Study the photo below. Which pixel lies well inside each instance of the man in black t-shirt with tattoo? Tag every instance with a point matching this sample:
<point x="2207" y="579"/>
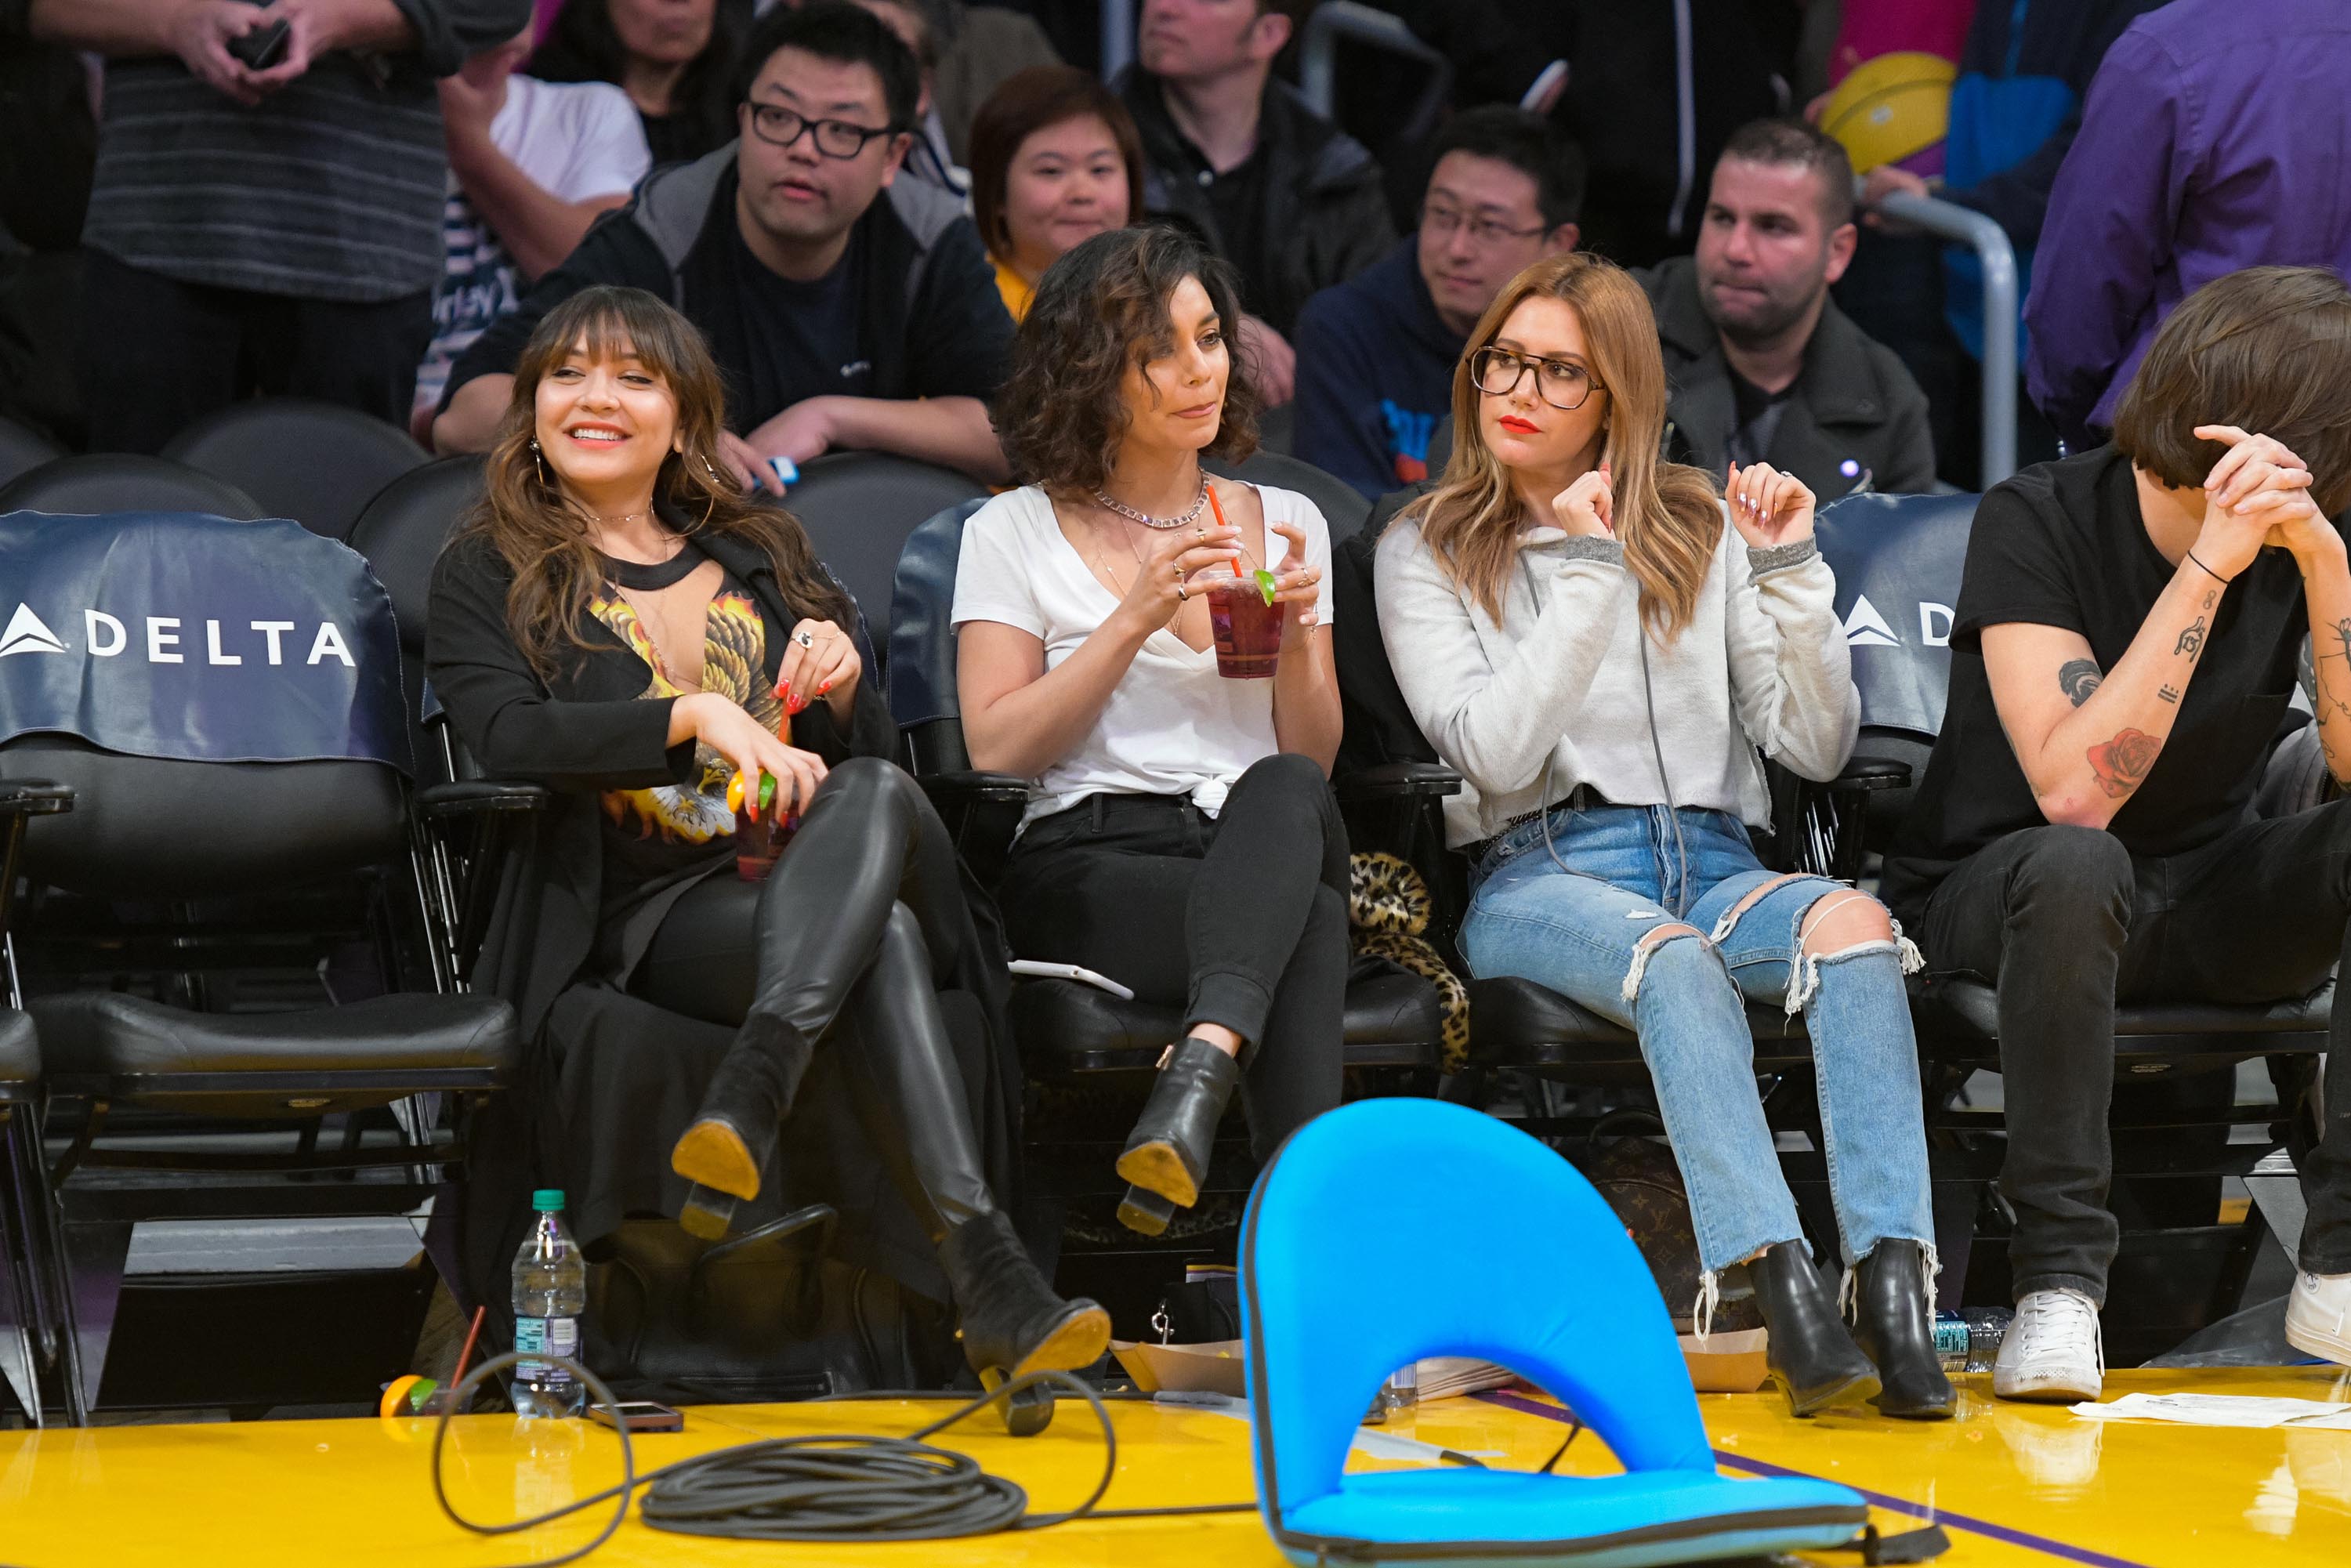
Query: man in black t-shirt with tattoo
<point x="2123" y="653"/>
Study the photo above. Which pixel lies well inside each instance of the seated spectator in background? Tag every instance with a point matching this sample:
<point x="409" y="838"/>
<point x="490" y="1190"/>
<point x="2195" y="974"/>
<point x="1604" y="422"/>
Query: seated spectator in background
<point x="1376" y="355"/>
<point x="2123" y="653"/>
<point x="2214" y="138"/>
<point x="675" y="58"/>
<point x="534" y="163"/>
<point x="618" y="623"/>
<point x="1054" y="161"/>
<point x="1601" y="645"/>
<point x="251" y="268"/>
<point x="1291" y="200"/>
<point x="981" y="47"/>
<point x="1181" y="836"/>
<point x="847" y="308"/>
<point x="1764" y="367"/>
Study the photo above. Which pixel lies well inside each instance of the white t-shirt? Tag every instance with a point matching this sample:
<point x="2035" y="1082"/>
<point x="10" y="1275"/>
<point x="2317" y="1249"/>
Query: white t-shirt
<point x="1173" y="725"/>
<point x="576" y="140"/>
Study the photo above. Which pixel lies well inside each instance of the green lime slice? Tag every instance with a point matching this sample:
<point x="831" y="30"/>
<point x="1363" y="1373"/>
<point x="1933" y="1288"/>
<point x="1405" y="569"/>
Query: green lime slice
<point x="766" y="791"/>
<point x="1265" y="583"/>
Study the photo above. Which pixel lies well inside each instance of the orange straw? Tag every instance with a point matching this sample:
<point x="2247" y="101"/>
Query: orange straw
<point x="1219" y="507"/>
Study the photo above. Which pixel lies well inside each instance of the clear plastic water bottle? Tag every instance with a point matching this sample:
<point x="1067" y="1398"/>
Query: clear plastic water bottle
<point x="550" y="1291"/>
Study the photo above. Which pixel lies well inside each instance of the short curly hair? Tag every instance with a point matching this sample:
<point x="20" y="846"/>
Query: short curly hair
<point x="1101" y="307"/>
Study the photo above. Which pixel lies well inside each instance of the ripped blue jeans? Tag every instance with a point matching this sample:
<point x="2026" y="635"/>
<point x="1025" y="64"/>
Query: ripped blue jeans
<point x="1575" y="924"/>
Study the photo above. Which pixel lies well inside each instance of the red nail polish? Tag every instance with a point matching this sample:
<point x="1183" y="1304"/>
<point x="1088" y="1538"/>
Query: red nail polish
<point x="824" y="688"/>
<point x="798" y="704"/>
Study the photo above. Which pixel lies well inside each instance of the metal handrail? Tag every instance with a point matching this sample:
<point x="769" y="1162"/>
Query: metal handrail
<point x="1318" y="49"/>
<point x="1998" y="257"/>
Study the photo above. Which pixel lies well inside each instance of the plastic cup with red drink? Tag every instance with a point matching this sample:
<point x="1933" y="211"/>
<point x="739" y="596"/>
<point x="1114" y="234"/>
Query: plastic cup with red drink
<point x="1246" y="623"/>
<point x="758" y="841"/>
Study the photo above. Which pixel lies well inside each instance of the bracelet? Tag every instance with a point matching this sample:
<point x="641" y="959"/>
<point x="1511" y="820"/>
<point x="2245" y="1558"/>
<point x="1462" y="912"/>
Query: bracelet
<point x="2208" y="571"/>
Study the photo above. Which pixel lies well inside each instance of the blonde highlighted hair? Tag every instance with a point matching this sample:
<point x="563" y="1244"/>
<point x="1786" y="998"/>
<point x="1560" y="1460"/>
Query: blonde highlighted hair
<point x="1669" y="514"/>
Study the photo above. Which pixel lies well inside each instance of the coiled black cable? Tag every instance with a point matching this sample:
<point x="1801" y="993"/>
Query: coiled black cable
<point x="834" y="1486"/>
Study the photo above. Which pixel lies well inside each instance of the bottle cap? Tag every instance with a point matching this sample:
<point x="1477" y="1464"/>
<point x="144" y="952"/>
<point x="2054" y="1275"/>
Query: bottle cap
<point x="546" y="1201"/>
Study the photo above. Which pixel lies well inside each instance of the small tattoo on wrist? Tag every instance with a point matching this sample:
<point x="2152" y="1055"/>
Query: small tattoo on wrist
<point x="2169" y="694"/>
<point x="2191" y="642"/>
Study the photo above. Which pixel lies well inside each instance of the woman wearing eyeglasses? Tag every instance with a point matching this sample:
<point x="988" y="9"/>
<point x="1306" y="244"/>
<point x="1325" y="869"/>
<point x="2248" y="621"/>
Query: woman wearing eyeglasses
<point x="1600" y="643"/>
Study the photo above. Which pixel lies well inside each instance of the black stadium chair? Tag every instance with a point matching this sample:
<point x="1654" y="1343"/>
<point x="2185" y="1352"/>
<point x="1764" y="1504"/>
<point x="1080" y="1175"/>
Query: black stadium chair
<point x="859" y="508"/>
<point x="1898" y="561"/>
<point x="101" y="482"/>
<point x="22" y="449"/>
<point x="1071" y="1034"/>
<point x="1343" y="505"/>
<point x="192" y="981"/>
<point x="316" y="463"/>
<point x="28" y="1337"/>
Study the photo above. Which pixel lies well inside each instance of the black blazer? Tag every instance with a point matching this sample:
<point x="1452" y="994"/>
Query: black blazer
<point x="589" y="730"/>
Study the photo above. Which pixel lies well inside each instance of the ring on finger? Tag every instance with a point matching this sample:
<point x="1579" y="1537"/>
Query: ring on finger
<point x="805" y="639"/>
<point x="1181" y="595"/>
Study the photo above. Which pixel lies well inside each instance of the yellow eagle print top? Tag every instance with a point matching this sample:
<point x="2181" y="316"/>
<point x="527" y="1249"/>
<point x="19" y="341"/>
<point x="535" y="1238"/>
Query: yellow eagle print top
<point x="657" y="824"/>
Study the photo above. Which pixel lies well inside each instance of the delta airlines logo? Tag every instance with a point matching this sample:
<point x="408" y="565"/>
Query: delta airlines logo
<point x="28" y="634"/>
<point x="162" y="640"/>
<point x="1865" y="628"/>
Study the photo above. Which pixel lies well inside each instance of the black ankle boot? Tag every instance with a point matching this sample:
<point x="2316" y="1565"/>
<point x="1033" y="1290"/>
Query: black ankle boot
<point x="1810" y="1355"/>
<point x="1012" y="1322"/>
<point x="733" y="1136"/>
<point x="1168" y="1153"/>
<point x="1893" y="1331"/>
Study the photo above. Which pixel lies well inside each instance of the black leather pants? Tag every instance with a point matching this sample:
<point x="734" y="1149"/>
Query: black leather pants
<point x="847" y="943"/>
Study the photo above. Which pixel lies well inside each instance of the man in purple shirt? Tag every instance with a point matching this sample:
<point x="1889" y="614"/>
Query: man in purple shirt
<point x="2216" y="136"/>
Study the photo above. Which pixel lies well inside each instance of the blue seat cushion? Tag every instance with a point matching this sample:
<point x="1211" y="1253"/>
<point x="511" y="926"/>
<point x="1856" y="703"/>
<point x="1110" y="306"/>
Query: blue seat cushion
<point x="1591" y="1522"/>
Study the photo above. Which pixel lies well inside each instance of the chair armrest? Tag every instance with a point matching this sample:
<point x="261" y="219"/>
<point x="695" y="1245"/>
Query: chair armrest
<point x="972" y="788"/>
<point x="1864" y="774"/>
<point x="1399" y="780"/>
<point x="478" y="797"/>
<point x="34" y="797"/>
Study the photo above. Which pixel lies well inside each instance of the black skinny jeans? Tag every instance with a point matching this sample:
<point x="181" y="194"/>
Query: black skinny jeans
<point x="2066" y="921"/>
<point x="1241" y="919"/>
<point x="847" y="943"/>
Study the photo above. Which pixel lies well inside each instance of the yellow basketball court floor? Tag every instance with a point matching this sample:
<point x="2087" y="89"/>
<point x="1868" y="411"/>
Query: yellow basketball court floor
<point x="2011" y="1484"/>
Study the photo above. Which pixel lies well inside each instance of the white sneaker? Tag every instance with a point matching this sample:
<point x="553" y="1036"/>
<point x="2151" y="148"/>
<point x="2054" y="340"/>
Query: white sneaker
<point x="2318" y="1316"/>
<point x="2052" y="1350"/>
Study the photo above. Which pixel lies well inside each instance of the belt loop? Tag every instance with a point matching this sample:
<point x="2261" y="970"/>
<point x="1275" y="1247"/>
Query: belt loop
<point x="1097" y="804"/>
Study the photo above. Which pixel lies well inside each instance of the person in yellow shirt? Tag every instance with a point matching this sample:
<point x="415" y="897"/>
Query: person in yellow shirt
<point x="1055" y="159"/>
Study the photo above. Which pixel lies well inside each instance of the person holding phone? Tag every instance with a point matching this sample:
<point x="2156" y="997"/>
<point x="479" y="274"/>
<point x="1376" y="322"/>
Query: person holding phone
<point x="1600" y="643"/>
<point x="253" y="269"/>
<point x="618" y="621"/>
<point x="1181" y="836"/>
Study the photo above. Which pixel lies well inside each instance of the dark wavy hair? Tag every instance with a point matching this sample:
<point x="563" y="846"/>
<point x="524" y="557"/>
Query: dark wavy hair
<point x="1101" y="308"/>
<point x="542" y="534"/>
<point x="583" y="45"/>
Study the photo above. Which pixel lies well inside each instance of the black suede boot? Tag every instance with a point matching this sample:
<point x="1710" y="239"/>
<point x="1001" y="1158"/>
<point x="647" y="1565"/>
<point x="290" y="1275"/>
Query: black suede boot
<point x="1811" y="1355"/>
<point x="733" y="1135"/>
<point x="1168" y="1153"/>
<point x="1012" y="1323"/>
<point x="1894" y="1330"/>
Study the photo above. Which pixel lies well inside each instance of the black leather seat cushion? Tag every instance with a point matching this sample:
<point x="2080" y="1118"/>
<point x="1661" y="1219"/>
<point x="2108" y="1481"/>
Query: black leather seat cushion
<point x="20" y="1056"/>
<point x="1064" y="1028"/>
<point x="1517" y="1023"/>
<point x="1961" y="1020"/>
<point x="103" y="1033"/>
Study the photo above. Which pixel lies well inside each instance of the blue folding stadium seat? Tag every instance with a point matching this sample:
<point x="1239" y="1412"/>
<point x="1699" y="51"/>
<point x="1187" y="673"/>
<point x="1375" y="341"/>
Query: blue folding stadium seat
<point x="1393" y="1229"/>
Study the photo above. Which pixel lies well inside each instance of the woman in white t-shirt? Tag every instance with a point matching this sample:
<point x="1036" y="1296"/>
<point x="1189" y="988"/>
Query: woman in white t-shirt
<point x="1181" y="836"/>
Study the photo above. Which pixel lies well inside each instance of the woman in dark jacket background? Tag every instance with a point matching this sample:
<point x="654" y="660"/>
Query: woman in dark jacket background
<point x="617" y="622"/>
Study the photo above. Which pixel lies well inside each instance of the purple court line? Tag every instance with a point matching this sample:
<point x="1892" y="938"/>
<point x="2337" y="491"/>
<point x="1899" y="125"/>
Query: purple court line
<point x="1984" y="1527"/>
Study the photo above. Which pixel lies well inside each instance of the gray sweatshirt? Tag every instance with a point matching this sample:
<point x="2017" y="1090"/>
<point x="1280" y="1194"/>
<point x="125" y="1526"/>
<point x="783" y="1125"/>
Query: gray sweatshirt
<point x="1763" y="663"/>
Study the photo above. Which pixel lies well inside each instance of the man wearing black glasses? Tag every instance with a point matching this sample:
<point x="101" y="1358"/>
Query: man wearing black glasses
<point x="842" y="321"/>
<point x="1764" y="367"/>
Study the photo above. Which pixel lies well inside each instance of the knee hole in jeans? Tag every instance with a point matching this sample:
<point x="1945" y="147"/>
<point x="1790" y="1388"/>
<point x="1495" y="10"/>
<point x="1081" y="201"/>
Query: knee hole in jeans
<point x="1651" y="940"/>
<point x="1847" y="918"/>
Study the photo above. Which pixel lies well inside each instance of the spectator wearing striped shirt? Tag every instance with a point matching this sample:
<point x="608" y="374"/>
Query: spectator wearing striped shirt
<point x="271" y="231"/>
<point x="531" y="165"/>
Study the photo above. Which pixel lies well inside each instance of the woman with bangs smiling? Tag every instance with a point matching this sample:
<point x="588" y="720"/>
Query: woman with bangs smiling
<point x="619" y="622"/>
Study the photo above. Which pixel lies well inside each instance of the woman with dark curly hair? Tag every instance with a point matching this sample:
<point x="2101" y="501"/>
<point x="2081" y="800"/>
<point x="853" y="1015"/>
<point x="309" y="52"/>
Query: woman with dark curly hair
<point x="1180" y="836"/>
<point x="619" y="622"/>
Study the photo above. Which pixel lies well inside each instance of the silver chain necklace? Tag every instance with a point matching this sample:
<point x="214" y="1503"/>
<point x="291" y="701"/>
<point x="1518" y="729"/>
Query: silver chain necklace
<point x="1111" y="503"/>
